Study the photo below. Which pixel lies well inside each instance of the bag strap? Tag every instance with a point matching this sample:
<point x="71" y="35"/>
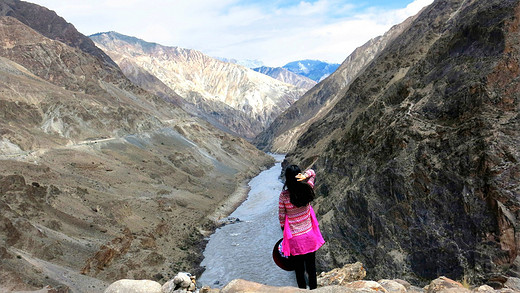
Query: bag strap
<point x="313" y="218"/>
<point x="286" y="249"/>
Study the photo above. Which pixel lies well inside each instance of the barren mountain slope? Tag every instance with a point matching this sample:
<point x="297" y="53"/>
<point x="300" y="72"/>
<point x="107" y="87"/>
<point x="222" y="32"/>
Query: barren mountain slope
<point x="243" y="100"/>
<point x="418" y="168"/>
<point x="99" y="177"/>
<point x="282" y="135"/>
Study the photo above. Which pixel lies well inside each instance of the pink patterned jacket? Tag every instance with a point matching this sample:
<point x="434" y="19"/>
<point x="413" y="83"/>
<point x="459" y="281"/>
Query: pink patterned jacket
<point x="299" y="217"/>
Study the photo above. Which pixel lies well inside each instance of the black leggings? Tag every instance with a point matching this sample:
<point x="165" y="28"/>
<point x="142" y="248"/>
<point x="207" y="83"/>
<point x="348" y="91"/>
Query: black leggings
<point x="305" y="263"/>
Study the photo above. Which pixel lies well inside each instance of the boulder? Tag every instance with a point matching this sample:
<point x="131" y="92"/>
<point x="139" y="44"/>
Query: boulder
<point x="340" y="276"/>
<point x="208" y="289"/>
<point x="134" y="286"/>
<point x="239" y="286"/>
<point x="406" y="284"/>
<point x="168" y="286"/>
<point x="443" y="284"/>
<point x="484" y="288"/>
<point x="183" y="281"/>
<point x="392" y="286"/>
<point x="365" y="286"/>
<point x="513" y="283"/>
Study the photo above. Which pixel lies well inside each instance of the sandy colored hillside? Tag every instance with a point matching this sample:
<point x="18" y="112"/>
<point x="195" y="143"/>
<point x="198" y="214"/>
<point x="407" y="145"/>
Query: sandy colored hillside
<point x="100" y="180"/>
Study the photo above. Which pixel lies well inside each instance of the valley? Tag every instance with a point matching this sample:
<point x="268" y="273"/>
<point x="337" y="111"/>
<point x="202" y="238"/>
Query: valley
<point x="120" y="157"/>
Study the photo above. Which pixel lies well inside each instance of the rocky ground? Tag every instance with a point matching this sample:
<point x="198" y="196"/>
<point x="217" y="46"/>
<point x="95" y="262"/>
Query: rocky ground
<point x="348" y="279"/>
<point x="85" y="215"/>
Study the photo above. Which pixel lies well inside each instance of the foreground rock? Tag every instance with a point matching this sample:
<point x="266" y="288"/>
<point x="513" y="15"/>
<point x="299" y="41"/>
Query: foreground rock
<point x="134" y="286"/>
<point x="181" y="282"/>
<point x="440" y="285"/>
<point x="341" y="276"/>
<point x="345" y="279"/>
<point x="242" y="286"/>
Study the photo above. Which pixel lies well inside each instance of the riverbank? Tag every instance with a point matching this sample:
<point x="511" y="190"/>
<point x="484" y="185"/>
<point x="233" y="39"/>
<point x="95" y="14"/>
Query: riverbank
<point x="211" y="224"/>
<point x="230" y="204"/>
<point x="216" y="219"/>
<point x="243" y="248"/>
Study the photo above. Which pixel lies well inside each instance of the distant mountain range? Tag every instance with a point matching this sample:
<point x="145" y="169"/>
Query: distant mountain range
<point x="313" y="69"/>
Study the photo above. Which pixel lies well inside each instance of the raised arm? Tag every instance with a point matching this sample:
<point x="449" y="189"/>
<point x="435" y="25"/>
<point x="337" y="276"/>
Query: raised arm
<point x="311" y="176"/>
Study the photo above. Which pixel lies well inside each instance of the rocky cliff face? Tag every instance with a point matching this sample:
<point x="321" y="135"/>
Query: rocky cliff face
<point x="97" y="176"/>
<point x="418" y="168"/>
<point x="242" y="100"/>
<point x="282" y="135"/>
<point x="287" y="76"/>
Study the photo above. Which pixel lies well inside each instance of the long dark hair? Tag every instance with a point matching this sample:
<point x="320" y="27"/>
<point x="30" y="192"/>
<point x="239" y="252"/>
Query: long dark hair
<point x="300" y="192"/>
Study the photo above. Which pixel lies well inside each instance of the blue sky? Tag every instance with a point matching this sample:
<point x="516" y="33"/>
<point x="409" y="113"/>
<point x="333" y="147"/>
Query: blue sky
<point x="275" y="32"/>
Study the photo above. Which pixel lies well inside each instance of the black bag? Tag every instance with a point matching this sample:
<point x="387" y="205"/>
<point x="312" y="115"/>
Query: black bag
<point x="282" y="262"/>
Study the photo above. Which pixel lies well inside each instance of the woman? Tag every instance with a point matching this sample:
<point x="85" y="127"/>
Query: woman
<point x="302" y="236"/>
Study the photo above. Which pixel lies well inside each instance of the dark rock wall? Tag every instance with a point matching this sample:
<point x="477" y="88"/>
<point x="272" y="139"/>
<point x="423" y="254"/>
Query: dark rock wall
<point x="418" y="171"/>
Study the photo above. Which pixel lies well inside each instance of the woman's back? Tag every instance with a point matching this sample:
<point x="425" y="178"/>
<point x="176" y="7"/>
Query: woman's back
<point x="299" y="218"/>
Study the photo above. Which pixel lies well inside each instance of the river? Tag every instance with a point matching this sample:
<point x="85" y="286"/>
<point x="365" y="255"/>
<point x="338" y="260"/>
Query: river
<point x="243" y="250"/>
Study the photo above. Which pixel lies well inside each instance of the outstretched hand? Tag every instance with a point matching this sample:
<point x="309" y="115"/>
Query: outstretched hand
<point x="301" y="177"/>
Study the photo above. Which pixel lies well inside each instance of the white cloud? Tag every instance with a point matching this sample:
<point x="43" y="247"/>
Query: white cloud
<point x="325" y="29"/>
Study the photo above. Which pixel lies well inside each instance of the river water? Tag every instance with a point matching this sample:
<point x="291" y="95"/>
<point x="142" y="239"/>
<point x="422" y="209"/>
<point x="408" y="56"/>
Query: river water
<point x="243" y="250"/>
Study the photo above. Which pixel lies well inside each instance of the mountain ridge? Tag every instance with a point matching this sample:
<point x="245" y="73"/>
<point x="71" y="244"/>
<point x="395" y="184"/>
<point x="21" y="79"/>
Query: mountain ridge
<point x="239" y="98"/>
<point x="52" y="26"/>
<point x="283" y="134"/>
